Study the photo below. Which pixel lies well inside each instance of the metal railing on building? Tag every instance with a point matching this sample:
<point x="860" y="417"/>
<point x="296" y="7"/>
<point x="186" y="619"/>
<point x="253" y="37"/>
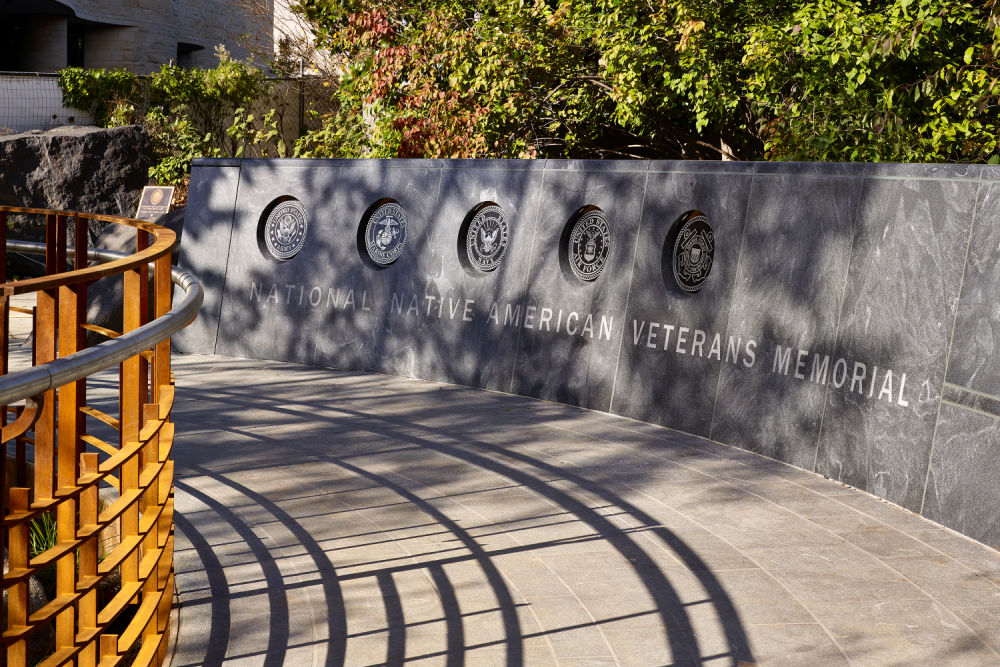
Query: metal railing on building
<point x="109" y="604"/>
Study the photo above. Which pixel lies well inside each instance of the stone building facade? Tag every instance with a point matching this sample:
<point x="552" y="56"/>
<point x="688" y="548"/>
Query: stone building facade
<point x="140" y="35"/>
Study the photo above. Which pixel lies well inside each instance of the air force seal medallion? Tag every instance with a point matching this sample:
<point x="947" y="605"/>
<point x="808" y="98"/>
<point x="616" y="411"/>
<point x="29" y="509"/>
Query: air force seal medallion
<point x="694" y="251"/>
<point x="284" y="231"/>
<point x="486" y="237"/>
<point x="385" y="233"/>
<point x="589" y="243"/>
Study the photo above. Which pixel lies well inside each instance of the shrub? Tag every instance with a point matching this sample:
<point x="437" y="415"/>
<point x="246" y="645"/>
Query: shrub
<point x="188" y="112"/>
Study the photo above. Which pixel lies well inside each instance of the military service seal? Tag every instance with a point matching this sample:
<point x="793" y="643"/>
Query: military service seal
<point x="284" y="231"/>
<point x="694" y="251"/>
<point x="589" y="243"/>
<point x="385" y="233"/>
<point x="486" y="237"/>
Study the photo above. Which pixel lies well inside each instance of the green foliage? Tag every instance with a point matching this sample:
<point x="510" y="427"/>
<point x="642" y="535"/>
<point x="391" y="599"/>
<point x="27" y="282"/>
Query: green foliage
<point x="784" y="79"/>
<point x="188" y="112"/>
<point x="897" y="80"/>
<point x="96" y="91"/>
<point x="263" y="134"/>
<point x="208" y="97"/>
<point x="593" y="78"/>
<point x="177" y="141"/>
<point x="41" y="534"/>
<point x="873" y="80"/>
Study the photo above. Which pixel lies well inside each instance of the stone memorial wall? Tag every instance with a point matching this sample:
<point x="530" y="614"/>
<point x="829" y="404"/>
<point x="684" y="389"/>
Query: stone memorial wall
<point x="841" y="318"/>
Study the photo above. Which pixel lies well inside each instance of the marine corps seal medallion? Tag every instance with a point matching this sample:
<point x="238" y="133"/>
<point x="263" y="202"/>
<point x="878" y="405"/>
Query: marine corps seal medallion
<point x="385" y="233"/>
<point x="284" y="231"/>
<point x="589" y="243"/>
<point x="486" y="237"/>
<point x="694" y="251"/>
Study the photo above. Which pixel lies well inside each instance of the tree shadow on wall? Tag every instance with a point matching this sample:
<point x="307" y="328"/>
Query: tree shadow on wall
<point x="782" y="269"/>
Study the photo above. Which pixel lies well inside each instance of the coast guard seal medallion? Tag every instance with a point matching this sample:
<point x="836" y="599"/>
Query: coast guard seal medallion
<point x="589" y="243"/>
<point x="385" y="233"/>
<point x="284" y="231"/>
<point x="694" y="251"/>
<point x="486" y="237"/>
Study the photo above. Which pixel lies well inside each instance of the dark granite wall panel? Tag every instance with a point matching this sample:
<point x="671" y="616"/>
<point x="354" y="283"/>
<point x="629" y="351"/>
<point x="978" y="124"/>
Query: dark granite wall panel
<point x="572" y="358"/>
<point x="370" y="334"/>
<point x="658" y="380"/>
<point x="971" y="399"/>
<point x="963" y="487"/>
<point x="826" y="278"/>
<point x="208" y="226"/>
<point x="462" y="333"/>
<point x="267" y="311"/>
<point x="789" y="287"/>
<point x="975" y="352"/>
<point x="898" y="315"/>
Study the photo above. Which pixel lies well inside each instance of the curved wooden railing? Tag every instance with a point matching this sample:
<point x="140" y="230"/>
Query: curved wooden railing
<point x="87" y="499"/>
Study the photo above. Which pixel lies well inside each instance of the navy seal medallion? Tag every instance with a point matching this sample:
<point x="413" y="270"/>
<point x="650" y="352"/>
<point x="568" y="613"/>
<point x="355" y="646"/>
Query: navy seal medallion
<point x="694" y="252"/>
<point x="486" y="237"/>
<point x="589" y="243"/>
<point x="284" y="231"/>
<point x="385" y="233"/>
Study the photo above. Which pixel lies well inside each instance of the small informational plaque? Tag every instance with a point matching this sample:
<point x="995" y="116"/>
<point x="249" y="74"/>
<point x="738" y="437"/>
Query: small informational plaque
<point x="155" y="201"/>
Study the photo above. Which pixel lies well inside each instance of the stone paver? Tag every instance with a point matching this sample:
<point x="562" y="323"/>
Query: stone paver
<point x="328" y="517"/>
<point x="19" y="332"/>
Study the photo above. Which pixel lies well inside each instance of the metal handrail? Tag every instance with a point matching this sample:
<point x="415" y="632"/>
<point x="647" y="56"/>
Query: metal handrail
<point x="33" y="381"/>
<point x="165" y="239"/>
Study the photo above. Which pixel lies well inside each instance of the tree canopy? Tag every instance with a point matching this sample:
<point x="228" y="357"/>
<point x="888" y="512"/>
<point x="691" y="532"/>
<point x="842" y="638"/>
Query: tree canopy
<point x="901" y="80"/>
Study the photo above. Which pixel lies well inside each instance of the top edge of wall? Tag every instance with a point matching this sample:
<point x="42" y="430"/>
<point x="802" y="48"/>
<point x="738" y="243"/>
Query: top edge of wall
<point x="826" y="169"/>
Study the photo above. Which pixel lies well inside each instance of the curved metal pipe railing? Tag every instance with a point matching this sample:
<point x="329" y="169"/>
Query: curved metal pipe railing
<point x="37" y="379"/>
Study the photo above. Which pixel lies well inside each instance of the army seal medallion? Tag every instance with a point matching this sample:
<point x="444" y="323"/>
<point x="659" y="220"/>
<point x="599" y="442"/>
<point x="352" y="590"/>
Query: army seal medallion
<point x="486" y="238"/>
<point x="284" y="232"/>
<point x="385" y="233"/>
<point x="694" y="251"/>
<point x="589" y="243"/>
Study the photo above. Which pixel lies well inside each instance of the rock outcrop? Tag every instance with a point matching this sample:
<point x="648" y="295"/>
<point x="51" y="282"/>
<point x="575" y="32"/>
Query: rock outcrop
<point x="89" y="169"/>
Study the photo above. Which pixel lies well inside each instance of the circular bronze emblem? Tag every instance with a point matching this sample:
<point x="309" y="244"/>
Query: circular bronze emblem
<point x="285" y="230"/>
<point x="156" y="197"/>
<point x="589" y="243"/>
<point x="385" y="233"/>
<point x="486" y="238"/>
<point x="694" y="251"/>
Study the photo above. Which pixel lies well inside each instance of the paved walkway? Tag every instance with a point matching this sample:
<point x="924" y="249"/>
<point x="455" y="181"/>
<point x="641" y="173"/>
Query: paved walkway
<point x="19" y="332"/>
<point x="329" y="518"/>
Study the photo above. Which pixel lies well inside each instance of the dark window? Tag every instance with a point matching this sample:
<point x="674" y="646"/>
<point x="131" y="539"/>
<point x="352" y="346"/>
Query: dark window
<point x="10" y="60"/>
<point x="184" y="51"/>
<point x="75" y="35"/>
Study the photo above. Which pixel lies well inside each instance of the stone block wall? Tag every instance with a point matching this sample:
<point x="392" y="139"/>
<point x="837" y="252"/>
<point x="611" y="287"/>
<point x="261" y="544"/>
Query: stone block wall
<point x="142" y="35"/>
<point x="849" y="325"/>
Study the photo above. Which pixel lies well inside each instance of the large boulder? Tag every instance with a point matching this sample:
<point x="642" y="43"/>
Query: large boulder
<point x="89" y="169"/>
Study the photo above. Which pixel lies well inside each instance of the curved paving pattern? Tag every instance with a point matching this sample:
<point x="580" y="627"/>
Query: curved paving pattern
<point x="332" y="518"/>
